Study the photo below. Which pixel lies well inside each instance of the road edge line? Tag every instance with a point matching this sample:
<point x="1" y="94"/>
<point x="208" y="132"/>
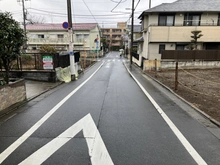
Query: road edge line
<point x="176" y="131"/>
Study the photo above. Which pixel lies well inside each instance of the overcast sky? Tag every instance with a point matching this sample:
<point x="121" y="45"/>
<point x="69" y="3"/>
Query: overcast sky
<point x="105" y="12"/>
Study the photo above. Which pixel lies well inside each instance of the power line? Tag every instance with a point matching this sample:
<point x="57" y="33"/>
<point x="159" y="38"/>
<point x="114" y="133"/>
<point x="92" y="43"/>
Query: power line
<point x="89" y="10"/>
<point x="117" y="4"/>
<point x="101" y="15"/>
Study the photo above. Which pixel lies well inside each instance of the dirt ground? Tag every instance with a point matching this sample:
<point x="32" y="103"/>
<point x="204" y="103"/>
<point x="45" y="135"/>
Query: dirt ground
<point x="199" y="87"/>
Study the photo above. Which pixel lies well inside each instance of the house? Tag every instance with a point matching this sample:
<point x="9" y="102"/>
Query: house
<point x="137" y="33"/>
<point x="169" y="25"/>
<point x="86" y="36"/>
<point x="113" y="36"/>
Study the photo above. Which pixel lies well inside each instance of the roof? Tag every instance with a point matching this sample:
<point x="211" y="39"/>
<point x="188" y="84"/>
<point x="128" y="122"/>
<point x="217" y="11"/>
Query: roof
<point x="47" y="26"/>
<point x="187" y="6"/>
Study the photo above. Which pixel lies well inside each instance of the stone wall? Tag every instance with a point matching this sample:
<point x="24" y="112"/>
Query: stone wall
<point x="12" y="93"/>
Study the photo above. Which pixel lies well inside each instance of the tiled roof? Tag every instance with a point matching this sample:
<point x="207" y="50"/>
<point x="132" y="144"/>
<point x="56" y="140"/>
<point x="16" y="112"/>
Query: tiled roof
<point x="187" y="6"/>
<point x="47" y="26"/>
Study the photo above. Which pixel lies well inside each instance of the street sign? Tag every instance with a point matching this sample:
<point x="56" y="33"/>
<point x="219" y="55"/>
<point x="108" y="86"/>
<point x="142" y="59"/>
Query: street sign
<point x="65" y="25"/>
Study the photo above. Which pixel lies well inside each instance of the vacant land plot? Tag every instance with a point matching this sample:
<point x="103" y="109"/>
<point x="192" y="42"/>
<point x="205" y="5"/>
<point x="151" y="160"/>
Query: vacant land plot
<point x="199" y="87"/>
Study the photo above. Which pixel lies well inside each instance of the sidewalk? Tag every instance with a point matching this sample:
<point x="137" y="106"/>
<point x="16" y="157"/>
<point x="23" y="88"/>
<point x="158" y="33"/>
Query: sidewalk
<point x="35" y="88"/>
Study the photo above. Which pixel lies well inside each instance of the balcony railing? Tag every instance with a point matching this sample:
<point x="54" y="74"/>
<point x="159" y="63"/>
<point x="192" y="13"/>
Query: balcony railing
<point x="48" y="40"/>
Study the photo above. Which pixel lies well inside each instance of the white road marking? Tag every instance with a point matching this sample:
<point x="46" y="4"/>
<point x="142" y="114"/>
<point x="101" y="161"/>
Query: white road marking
<point x="97" y="149"/>
<point x="199" y="160"/>
<point x="108" y="64"/>
<point x="27" y="134"/>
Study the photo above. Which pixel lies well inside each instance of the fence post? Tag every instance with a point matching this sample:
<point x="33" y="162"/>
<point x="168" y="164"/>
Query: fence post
<point x="155" y="67"/>
<point x="20" y="62"/>
<point x="176" y="77"/>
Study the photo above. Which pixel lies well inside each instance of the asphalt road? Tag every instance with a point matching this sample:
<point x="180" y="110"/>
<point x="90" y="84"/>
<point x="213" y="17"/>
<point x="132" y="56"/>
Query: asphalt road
<point x="108" y="116"/>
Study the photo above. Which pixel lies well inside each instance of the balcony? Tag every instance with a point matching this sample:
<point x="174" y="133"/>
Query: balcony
<point x="116" y="44"/>
<point x="183" y="33"/>
<point x="116" y="38"/>
<point x="48" y="41"/>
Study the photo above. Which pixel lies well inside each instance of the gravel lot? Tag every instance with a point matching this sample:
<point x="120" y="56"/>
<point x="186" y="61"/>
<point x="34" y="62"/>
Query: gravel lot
<point x="201" y="87"/>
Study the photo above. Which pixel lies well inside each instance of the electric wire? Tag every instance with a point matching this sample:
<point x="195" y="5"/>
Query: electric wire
<point x="117" y="1"/>
<point x="103" y="15"/>
<point x="116" y="5"/>
<point x="90" y="11"/>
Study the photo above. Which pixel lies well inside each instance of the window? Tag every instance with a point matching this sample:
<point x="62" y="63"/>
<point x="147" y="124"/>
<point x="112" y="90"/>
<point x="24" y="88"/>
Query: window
<point x="40" y="36"/>
<point x="161" y="47"/>
<point x="192" y="20"/>
<point x="86" y="36"/>
<point x="60" y="36"/>
<point x="33" y="36"/>
<point x="166" y="20"/>
<point x="219" y="20"/>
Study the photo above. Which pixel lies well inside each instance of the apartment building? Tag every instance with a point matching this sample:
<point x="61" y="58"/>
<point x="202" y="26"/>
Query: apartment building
<point x="113" y="36"/>
<point x="169" y="25"/>
<point x="86" y="36"/>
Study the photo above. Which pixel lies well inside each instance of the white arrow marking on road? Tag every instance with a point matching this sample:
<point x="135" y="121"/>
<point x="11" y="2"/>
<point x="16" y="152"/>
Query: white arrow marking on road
<point x="27" y="134"/>
<point x="97" y="150"/>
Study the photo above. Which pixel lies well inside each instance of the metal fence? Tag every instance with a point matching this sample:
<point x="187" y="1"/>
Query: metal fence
<point x="39" y="61"/>
<point x="178" y="55"/>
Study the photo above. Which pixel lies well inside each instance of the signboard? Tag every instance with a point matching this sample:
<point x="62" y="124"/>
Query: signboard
<point x="48" y="62"/>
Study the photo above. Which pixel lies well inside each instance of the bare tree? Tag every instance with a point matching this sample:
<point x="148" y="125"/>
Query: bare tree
<point x="34" y="19"/>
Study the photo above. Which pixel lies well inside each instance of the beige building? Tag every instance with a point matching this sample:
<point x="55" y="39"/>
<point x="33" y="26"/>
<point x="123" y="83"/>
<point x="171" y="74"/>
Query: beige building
<point x="113" y="36"/>
<point x="84" y="36"/>
<point x="169" y="25"/>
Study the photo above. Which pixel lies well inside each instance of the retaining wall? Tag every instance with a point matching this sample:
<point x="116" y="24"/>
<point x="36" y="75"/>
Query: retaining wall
<point x="150" y="64"/>
<point x="11" y="94"/>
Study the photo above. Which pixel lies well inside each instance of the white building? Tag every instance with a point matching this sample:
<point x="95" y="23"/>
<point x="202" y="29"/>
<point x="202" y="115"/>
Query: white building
<point x="169" y="25"/>
<point x="84" y="37"/>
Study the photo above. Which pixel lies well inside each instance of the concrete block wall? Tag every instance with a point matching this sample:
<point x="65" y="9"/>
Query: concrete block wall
<point x="150" y="64"/>
<point x="12" y="93"/>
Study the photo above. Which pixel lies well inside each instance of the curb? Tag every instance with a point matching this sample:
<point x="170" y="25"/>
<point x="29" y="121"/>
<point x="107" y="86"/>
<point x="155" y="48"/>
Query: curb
<point x="190" y="104"/>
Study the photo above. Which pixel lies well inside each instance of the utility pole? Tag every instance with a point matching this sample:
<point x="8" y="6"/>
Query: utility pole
<point x="149" y="4"/>
<point x="24" y="22"/>
<point x="71" y="52"/>
<point x="132" y="31"/>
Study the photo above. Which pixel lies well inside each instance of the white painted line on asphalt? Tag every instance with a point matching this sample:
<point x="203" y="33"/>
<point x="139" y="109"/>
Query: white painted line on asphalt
<point x="27" y="134"/>
<point x="97" y="149"/>
<point x="199" y="160"/>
